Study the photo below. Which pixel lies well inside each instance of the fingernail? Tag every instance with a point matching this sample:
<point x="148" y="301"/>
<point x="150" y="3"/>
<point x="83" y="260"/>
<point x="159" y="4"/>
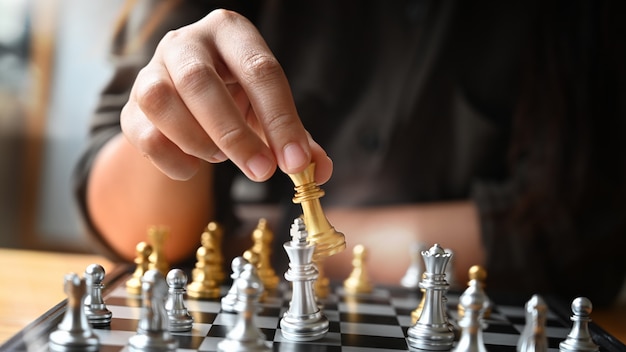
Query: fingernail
<point x="294" y="156"/>
<point x="218" y="157"/>
<point x="259" y="165"/>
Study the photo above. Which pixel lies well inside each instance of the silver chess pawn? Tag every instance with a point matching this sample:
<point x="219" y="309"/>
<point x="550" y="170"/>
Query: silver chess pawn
<point x="533" y="337"/>
<point x="244" y="335"/>
<point x="178" y="315"/>
<point x="413" y="274"/>
<point x="153" y="328"/>
<point x="304" y="320"/>
<point x="96" y="310"/>
<point x="230" y="299"/>
<point x="74" y="332"/>
<point x="579" y="339"/>
<point x="432" y="331"/>
<point x="474" y="302"/>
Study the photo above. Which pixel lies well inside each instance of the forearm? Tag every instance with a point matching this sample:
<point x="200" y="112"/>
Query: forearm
<point x="126" y="195"/>
<point x="389" y="232"/>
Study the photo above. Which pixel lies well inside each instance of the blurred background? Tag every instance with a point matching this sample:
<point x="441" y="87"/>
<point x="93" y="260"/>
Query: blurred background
<point x="53" y="63"/>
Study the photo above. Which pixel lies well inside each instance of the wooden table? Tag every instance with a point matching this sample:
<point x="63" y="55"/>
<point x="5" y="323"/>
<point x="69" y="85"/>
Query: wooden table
<point x="32" y="282"/>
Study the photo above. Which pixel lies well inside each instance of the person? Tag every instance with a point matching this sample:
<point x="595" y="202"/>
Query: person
<point x="493" y="129"/>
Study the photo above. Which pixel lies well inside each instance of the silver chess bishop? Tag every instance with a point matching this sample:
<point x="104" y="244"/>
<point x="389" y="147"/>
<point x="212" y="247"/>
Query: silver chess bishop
<point x="304" y="321"/>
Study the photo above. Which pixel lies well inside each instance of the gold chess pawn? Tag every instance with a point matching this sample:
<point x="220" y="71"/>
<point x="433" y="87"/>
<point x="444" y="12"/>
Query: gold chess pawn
<point x="327" y="240"/>
<point x="262" y="238"/>
<point x="212" y="238"/>
<point x="206" y="273"/>
<point x="358" y="281"/>
<point x="415" y="314"/>
<point x="478" y="273"/>
<point x="157" y="236"/>
<point x="143" y="251"/>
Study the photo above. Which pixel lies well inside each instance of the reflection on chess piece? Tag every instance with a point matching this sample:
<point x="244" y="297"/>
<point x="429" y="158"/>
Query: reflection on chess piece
<point x="157" y="236"/>
<point x="479" y="274"/>
<point x="208" y="273"/>
<point x="143" y="250"/>
<point x="358" y="281"/>
<point x="327" y="240"/>
<point x="74" y="332"/>
<point x="262" y="238"/>
<point x="579" y="338"/>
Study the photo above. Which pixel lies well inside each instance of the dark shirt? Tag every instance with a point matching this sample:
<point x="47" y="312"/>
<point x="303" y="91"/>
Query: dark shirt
<point x="417" y="101"/>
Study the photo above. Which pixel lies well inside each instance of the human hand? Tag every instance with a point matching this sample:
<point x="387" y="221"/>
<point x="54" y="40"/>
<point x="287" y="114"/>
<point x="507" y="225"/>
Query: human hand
<point x="214" y="91"/>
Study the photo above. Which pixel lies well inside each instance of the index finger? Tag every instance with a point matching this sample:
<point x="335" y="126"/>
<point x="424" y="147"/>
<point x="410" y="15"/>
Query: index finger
<point x="250" y="61"/>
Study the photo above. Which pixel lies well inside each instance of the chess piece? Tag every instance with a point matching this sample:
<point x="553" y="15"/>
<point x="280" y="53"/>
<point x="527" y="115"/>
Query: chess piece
<point x="327" y="240"/>
<point x="414" y="272"/>
<point x="304" y="320"/>
<point x="579" y="339"/>
<point x="262" y="238"/>
<point x="415" y="314"/>
<point x="450" y="276"/>
<point x="478" y="273"/>
<point x="244" y="335"/>
<point x="208" y="273"/>
<point x="358" y="281"/>
<point x="95" y="309"/>
<point x="178" y="316"/>
<point x="143" y="251"/>
<point x="432" y="331"/>
<point x="473" y="300"/>
<point x="212" y="237"/>
<point x="533" y="337"/>
<point x="229" y="300"/>
<point x="158" y="236"/>
<point x="152" y="330"/>
<point x="74" y="332"/>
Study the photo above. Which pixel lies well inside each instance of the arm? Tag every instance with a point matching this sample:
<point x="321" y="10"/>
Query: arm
<point x="126" y="194"/>
<point x="212" y="91"/>
<point x="388" y="232"/>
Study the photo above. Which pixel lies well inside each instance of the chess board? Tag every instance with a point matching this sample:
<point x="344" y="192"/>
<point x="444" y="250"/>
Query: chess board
<point x="372" y="322"/>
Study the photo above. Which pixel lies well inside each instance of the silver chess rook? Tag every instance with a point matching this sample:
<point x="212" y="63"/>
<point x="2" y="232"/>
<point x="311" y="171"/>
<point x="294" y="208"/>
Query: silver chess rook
<point x="304" y="321"/>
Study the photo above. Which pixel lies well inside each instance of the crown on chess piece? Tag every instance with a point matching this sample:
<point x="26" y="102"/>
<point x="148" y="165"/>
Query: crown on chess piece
<point x="327" y="240"/>
<point x="435" y="260"/>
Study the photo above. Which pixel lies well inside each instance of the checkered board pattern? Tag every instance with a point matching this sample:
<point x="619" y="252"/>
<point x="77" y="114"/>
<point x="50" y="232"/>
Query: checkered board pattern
<point x="369" y="322"/>
<point x="372" y="322"/>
